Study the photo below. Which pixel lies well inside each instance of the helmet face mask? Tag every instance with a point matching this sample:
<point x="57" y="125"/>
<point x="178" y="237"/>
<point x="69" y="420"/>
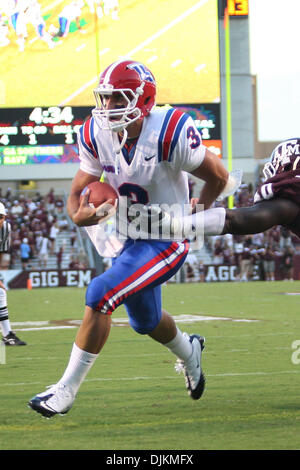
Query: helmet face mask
<point x="135" y="87"/>
<point x="119" y="117"/>
<point x="268" y="170"/>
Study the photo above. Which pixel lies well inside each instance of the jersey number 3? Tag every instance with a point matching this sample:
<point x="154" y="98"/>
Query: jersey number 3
<point x="134" y="192"/>
<point x="192" y="134"/>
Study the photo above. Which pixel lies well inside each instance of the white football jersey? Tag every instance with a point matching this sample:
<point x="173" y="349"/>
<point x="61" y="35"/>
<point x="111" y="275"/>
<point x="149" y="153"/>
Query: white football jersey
<point x="168" y="147"/>
<point x="71" y="12"/>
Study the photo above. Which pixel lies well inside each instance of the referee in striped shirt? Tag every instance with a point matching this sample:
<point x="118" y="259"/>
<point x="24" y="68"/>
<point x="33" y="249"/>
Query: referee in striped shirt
<point x="9" y="338"/>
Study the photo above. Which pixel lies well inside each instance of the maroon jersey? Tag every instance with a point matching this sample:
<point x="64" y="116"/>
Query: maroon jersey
<point x="283" y="177"/>
<point x="285" y="185"/>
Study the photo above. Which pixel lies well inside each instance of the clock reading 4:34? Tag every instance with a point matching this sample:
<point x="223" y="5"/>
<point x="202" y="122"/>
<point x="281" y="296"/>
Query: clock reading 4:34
<point x="51" y="115"/>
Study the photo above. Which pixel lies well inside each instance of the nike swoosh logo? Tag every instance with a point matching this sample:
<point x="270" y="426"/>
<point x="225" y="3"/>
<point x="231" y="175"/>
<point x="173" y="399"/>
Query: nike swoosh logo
<point x="150" y="158"/>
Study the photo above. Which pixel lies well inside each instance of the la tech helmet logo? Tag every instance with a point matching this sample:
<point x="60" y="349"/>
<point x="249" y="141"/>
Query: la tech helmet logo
<point x="144" y="73"/>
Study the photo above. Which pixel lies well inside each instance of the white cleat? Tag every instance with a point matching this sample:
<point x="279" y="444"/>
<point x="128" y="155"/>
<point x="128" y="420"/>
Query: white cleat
<point x="194" y="376"/>
<point x="58" y="399"/>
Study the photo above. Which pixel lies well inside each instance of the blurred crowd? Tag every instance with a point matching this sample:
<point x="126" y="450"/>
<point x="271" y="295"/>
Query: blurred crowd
<point x="37" y="221"/>
<point x="35" y="225"/>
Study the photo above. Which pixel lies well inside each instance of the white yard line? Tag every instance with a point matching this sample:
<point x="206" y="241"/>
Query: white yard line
<point x="104" y="51"/>
<point x="79" y="48"/>
<point x="140" y="46"/>
<point x="200" y="67"/>
<point x="152" y="59"/>
<point x="46" y="328"/>
<point x="176" y="63"/>
<point x="175" y="376"/>
<point x="108" y="357"/>
<point x="46" y="325"/>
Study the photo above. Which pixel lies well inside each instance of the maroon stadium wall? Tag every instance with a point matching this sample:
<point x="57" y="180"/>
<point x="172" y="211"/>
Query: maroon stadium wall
<point x="17" y="279"/>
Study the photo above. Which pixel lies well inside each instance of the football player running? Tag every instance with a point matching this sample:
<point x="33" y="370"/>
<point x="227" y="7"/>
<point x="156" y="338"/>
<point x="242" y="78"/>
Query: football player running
<point x="145" y="153"/>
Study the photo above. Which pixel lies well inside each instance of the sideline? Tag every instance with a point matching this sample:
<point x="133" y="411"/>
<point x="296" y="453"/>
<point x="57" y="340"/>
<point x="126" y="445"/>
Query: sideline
<point x="116" y="379"/>
<point x="67" y="324"/>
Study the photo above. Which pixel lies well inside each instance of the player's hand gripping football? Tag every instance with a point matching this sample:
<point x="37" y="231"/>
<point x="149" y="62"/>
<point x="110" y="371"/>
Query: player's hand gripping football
<point x="87" y="215"/>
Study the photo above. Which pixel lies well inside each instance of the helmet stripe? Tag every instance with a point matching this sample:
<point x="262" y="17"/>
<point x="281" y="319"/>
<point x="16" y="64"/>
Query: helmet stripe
<point x="110" y="70"/>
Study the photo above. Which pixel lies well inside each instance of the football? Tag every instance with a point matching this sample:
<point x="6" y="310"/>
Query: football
<point x="100" y="193"/>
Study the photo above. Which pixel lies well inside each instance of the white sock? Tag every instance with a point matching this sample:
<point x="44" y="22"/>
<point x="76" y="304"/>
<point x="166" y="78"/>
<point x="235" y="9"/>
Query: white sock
<point x="180" y="346"/>
<point x="5" y="327"/>
<point x="4" y="320"/>
<point x="79" y="364"/>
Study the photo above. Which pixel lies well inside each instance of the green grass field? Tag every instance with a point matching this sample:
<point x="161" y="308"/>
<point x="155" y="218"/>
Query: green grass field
<point x="134" y="399"/>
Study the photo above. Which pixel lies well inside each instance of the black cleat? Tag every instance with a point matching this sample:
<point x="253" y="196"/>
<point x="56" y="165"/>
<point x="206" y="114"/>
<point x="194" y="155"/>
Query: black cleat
<point x="12" y="340"/>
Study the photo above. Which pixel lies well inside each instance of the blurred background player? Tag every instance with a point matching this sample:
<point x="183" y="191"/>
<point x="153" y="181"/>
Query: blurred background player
<point x="9" y="338"/>
<point x="111" y="7"/>
<point x="95" y="6"/>
<point x="104" y="8"/>
<point x="17" y="14"/>
<point x="71" y="12"/>
<point x="34" y="16"/>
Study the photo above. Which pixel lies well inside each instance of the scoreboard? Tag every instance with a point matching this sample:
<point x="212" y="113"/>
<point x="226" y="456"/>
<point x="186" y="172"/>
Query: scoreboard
<point x="49" y="134"/>
<point x="41" y="126"/>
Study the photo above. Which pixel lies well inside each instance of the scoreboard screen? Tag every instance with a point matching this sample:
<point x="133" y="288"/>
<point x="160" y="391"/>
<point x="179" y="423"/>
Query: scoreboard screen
<point x="56" y="125"/>
<point x="52" y="125"/>
<point x="53" y="59"/>
<point x="54" y="52"/>
<point x="49" y="135"/>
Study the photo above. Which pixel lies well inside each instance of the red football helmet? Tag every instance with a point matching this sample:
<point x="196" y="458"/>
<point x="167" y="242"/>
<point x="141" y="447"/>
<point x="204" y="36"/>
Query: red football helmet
<point x="135" y="83"/>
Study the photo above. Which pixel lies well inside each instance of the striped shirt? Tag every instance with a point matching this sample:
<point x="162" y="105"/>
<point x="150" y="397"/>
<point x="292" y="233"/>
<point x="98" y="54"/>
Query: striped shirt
<point x="5" y="237"/>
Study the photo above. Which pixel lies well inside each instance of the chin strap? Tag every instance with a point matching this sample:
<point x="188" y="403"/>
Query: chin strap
<point x="118" y="150"/>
